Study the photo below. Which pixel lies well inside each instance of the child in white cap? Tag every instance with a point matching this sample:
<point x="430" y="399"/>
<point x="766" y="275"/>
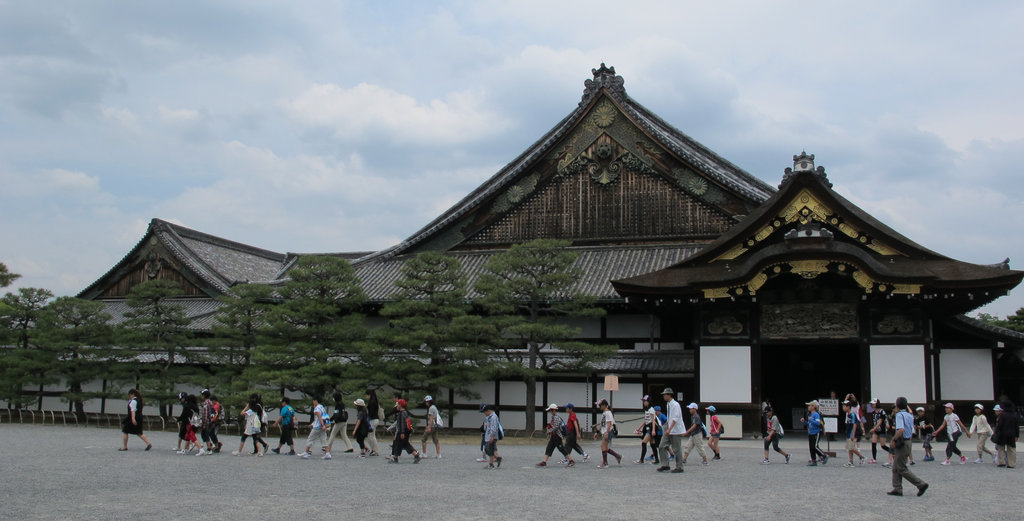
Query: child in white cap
<point x="981" y="428"/>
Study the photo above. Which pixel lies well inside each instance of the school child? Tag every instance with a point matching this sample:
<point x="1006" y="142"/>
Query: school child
<point x="659" y="431"/>
<point x="852" y="422"/>
<point x="573" y="433"/>
<point x="286" y="421"/>
<point x="253" y="425"/>
<point x="318" y="430"/>
<point x="716" y="429"/>
<point x="954" y="428"/>
<point x="646" y="430"/>
<point x="981" y="427"/>
<point x="362" y="427"/>
<point x="924" y="431"/>
<point x="879" y="427"/>
<point x="695" y="435"/>
<point x="556" y="431"/>
<point x="814" y="425"/>
<point x="403" y="430"/>
<point x="775" y="433"/>
<point x="607" y="434"/>
<point x="492" y="430"/>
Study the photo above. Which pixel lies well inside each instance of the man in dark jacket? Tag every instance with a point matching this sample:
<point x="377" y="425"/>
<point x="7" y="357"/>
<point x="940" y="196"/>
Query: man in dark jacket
<point x="1006" y="433"/>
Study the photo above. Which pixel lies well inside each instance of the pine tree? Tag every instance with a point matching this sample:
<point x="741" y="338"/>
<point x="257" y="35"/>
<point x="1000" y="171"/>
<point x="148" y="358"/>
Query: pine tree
<point x="528" y="291"/>
<point x="24" y="364"/>
<point x="6" y="277"/>
<point x="423" y="348"/>
<point x="156" y="326"/>
<point x="78" y="335"/>
<point x="241" y="324"/>
<point x="313" y="330"/>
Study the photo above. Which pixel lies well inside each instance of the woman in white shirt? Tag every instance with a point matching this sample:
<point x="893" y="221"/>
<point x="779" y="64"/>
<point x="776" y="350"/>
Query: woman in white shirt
<point x="606" y="434"/>
<point x="980" y="426"/>
<point x="954" y="428"/>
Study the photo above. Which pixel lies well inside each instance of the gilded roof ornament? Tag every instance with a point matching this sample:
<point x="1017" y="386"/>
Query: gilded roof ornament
<point x="804" y="162"/>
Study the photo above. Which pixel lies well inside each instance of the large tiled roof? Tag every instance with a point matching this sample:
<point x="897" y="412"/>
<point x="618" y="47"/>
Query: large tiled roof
<point x="605" y="82"/>
<point x="599" y="265"/>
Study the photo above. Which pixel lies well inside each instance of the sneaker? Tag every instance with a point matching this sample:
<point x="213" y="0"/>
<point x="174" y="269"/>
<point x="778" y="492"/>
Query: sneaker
<point x="437" y="457"/>
<point x="787" y="458"/>
<point x="650" y="458"/>
<point x="861" y="461"/>
<point x="963" y="460"/>
<point x="498" y="461"/>
<point x="921" y="491"/>
<point x="326" y="456"/>
<point x="586" y="457"/>
<point x="490" y="466"/>
<point x="618" y="459"/>
<point x="481" y="460"/>
<point x="182" y="452"/>
<point x="572" y="463"/>
<point x="416" y="458"/>
<point x="887" y="465"/>
<point x="259" y="454"/>
<point x="945" y="462"/>
<point x="304" y="455"/>
<point x="663" y="468"/>
<point x="374" y="453"/>
<point x="202" y="452"/>
<point x="717" y="457"/>
<point x="677" y="470"/>
<point x="234" y="453"/>
<point x="603" y="466"/>
<point x="362" y="455"/>
<point x="812" y="464"/>
<point x="824" y="459"/>
<point x="979" y="460"/>
<point x="848" y="465"/>
<point x="929" y="458"/>
<point x="291" y="453"/>
<point x="563" y="461"/>
<point x="671" y="457"/>
<point x="542" y="464"/>
<point x="765" y="462"/>
<point x="704" y="463"/>
<point x="349" y="450"/>
<point x="219" y="445"/>
<point x="275" y="451"/>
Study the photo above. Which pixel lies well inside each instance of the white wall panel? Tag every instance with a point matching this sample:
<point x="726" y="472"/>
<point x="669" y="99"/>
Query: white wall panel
<point x="898" y="370"/>
<point x="966" y="374"/>
<point x="725" y="374"/>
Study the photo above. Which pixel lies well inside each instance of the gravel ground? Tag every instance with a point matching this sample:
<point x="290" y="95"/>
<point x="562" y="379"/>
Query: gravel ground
<point x="76" y="473"/>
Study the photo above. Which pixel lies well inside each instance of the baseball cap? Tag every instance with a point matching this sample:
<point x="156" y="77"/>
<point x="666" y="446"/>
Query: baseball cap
<point x="181" y="396"/>
<point x="997" y="407"/>
<point x="401" y="402"/>
<point x="601" y="402"/>
<point x="428" y="398"/>
<point x="979" y="406"/>
<point x="570" y="406"/>
<point x="948" y="404"/>
<point x="483" y="407"/>
<point x="875" y="401"/>
<point x="693" y="405"/>
<point x="812" y="402"/>
<point x="919" y="409"/>
<point x="646" y="398"/>
<point x="711" y="408"/>
<point x="847" y="402"/>
<point x="657" y="408"/>
<point x="668" y="390"/>
<point x="552" y="406"/>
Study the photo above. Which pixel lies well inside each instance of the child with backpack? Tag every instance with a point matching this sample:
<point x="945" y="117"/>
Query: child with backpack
<point x="716" y="430"/>
<point x="321" y="421"/>
<point x="774" y="431"/>
<point x="403" y="429"/>
<point x="556" y="434"/>
<point x="253" y="425"/>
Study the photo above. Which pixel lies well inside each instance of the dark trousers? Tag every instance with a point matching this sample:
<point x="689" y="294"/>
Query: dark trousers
<point x="812" y="444"/>
<point x="555" y="442"/>
<point x="571" y="444"/>
<point x="286" y="435"/>
<point x="401" y="444"/>
<point x="951" y="447"/>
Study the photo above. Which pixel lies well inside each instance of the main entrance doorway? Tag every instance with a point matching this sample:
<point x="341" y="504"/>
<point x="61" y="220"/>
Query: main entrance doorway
<point x="792" y="375"/>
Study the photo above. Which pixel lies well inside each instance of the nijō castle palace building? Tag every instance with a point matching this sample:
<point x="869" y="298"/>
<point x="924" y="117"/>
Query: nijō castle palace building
<point x="716" y="283"/>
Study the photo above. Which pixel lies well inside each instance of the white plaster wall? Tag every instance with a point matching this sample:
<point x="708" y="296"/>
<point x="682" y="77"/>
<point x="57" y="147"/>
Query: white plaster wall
<point x="725" y="374"/>
<point x="898" y="370"/>
<point x="966" y="374"/>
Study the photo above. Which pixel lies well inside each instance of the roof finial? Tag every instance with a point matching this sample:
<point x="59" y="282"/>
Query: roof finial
<point x="604" y="78"/>
<point x="804" y="162"/>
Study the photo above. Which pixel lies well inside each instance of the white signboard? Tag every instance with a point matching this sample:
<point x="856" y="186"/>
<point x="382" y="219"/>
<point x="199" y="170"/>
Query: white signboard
<point x="831" y="424"/>
<point x="828" y="407"/>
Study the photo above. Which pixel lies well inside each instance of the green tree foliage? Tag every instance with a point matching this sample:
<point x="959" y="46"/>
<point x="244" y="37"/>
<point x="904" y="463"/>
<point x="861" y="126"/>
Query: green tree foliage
<point x="77" y="336"/>
<point x="156" y="326"/>
<point x="1014" y="321"/>
<point x="240" y="326"/>
<point x="6" y="277"/>
<point x="425" y="346"/>
<point x="24" y="363"/>
<point x="313" y="330"/>
<point x="528" y="291"/>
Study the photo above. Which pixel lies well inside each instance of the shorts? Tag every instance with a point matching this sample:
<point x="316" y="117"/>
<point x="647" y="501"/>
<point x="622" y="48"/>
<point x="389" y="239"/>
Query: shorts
<point x="716" y="435"/>
<point x="491" y="448"/>
<point x="851" y="443"/>
<point x="431" y="435"/>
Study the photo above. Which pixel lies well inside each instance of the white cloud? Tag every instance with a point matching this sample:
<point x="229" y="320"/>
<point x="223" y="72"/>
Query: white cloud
<point x="371" y="112"/>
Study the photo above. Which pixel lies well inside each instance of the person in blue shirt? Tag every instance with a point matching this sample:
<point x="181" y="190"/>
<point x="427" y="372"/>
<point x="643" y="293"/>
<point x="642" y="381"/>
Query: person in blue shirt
<point x="286" y="421"/>
<point x="815" y="426"/>
<point x="900" y="448"/>
<point x="850" y="434"/>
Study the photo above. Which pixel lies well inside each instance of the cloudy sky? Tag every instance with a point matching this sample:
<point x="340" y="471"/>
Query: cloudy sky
<point x="335" y="126"/>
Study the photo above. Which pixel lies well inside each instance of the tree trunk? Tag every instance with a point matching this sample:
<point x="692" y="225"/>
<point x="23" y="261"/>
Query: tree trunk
<point x="531" y="403"/>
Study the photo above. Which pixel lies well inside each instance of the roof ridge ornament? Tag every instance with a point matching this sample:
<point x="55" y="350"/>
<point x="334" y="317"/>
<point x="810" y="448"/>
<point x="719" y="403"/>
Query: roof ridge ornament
<point x="604" y="78"/>
<point x="804" y="162"/>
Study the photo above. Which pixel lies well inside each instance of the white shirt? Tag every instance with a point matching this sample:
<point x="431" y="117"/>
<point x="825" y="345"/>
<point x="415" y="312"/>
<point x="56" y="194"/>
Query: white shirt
<point x="320" y="417"/>
<point x="952" y="423"/>
<point x="607" y="420"/>
<point x="675" y="414"/>
<point x="980" y="425"/>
